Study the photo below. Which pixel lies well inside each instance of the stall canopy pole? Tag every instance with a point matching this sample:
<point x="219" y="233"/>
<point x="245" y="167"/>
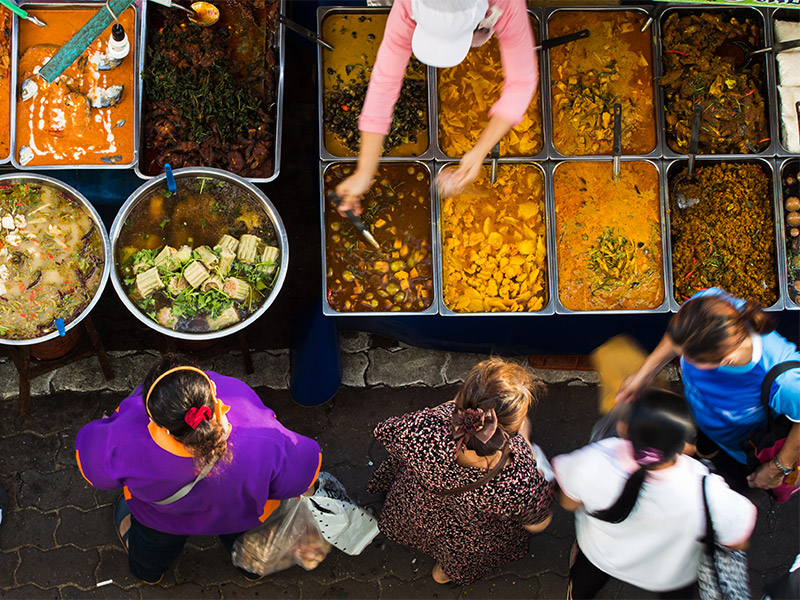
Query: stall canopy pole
<point x="79" y="42"/>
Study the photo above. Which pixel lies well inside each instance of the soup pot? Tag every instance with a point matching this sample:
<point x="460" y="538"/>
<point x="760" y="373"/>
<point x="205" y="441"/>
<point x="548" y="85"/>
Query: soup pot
<point x="76" y="196"/>
<point x="144" y="192"/>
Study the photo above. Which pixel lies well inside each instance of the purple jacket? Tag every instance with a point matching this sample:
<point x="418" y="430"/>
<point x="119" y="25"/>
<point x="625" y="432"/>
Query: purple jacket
<point x="270" y="463"/>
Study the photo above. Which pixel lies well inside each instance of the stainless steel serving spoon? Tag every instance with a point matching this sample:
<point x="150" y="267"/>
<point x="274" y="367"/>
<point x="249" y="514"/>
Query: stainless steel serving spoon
<point x="203" y="14"/>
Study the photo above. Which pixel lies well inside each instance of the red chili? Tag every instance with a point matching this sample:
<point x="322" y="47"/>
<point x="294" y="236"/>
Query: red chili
<point x="677" y="52"/>
<point x="762" y="141"/>
<point x="747" y="94"/>
<point x="345" y="107"/>
<point x="689" y="274"/>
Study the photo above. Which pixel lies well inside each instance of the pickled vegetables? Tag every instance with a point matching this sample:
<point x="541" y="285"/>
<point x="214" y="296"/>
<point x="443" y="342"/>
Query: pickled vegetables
<point x="494" y="247"/>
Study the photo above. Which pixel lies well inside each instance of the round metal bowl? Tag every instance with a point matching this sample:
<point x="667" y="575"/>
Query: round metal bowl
<point x="160" y="182"/>
<point x="73" y="194"/>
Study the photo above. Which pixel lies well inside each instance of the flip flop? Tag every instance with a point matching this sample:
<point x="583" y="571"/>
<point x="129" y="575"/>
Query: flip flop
<point x="121" y="513"/>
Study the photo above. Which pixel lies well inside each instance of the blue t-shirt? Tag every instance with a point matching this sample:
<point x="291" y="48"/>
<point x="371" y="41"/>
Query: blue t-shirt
<point x="726" y="401"/>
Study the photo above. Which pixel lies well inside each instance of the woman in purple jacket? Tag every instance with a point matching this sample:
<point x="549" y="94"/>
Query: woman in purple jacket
<point x="195" y="453"/>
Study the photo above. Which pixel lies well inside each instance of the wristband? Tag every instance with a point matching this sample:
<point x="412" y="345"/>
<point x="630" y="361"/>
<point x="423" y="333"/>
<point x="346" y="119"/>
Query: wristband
<point x="783" y="469"/>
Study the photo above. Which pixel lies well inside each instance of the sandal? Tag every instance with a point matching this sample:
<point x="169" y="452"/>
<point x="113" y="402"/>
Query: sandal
<point x="122" y="521"/>
<point x="439" y="575"/>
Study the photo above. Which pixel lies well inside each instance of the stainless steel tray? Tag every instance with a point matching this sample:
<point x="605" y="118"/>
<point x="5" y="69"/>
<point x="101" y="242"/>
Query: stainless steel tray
<point x="136" y="35"/>
<point x="439" y="154"/>
<point x="322" y="13"/>
<point x="781" y="166"/>
<point x="768" y="88"/>
<point x="769" y="168"/>
<point x="660" y="144"/>
<point x="781" y="150"/>
<point x="327" y="309"/>
<point x="547" y="309"/>
<point x="560" y="308"/>
<point x="280" y="41"/>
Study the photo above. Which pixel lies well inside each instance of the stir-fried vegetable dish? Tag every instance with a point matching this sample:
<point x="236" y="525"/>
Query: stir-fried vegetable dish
<point x="467" y="92"/>
<point x="791" y="220"/>
<point x="608" y="236"/>
<point x="399" y="276"/>
<point x="51" y="260"/>
<point x="199" y="259"/>
<point x="346" y="70"/>
<point x="699" y="60"/>
<point x="589" y="76"/>
<point x="494" y="244"/>
<point x="727" y="239"/>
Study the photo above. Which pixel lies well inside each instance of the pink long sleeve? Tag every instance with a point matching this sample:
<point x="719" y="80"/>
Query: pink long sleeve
<point x="390" y="67"/>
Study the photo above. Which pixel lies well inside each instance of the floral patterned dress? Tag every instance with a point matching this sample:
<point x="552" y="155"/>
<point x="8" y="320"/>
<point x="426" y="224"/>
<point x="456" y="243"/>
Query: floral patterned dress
<point x="468" y="534"/>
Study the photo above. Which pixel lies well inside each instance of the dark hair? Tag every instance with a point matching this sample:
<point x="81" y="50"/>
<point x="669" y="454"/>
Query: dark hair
<point x="658" y="425"/>
<point x="173" y="397"/>
<point x="709" y="327"/>
<point x="509" y="388"/>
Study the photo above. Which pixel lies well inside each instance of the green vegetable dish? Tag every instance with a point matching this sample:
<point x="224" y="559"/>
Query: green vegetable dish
<point x="200" y="259"/>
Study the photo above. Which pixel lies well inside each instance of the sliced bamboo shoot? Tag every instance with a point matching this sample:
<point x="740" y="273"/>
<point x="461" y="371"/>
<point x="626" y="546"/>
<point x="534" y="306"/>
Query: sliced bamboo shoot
<point x="148" y="282"/>
<point x="226" y="318"/>
<point x="212" y="282"/>
<point x="226" y="258"/>
<point x="206" y="256"/>
<point x="269" y="259"/>
<point x="168" y="259"/>
<point x="195" y="273"/>
<point x="250" y="248"/>
<point x="227" y="241"/>
<point x="184" y="254"/>
<point x="236" y="288"/>
<point x="176" y="285"/>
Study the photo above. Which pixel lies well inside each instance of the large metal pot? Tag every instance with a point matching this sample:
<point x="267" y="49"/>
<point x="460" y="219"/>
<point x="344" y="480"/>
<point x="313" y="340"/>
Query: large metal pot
<point x="160" y="182"/>
<point x="73" y="194"/>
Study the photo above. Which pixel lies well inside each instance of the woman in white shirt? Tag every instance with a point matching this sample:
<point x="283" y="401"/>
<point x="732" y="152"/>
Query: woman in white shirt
<point x="638" y="503"/>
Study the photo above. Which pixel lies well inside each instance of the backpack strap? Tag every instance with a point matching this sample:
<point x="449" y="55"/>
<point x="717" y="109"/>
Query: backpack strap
<point x="766" y="386"/>
<point x="188" y="487"/>
<point x="485" y="479"/>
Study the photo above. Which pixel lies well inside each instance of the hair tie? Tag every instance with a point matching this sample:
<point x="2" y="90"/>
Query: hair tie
<point x="194" y="416"/>
<point x="473" y="422"/>
<point x="645" y="457"/>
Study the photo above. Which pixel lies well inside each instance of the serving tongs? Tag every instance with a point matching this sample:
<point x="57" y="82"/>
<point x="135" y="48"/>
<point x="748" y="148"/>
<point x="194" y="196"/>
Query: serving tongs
<point x="355" y="220"/>
<point x="203" y="14"/>
<point x="306" y="33"/>
<point x="562" y="39"/>
<point x="617" y="145"/>
<point x="743" y="52"/>
<point x="22" y="14"/>
<point x="494" y="154"/>
<point x="681" y="198"/>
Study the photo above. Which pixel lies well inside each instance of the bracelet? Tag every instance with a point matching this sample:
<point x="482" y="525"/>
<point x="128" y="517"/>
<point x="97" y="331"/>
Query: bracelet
<point x="783" y="469"/>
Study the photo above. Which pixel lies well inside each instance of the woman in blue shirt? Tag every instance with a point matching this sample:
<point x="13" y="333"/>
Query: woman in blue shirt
<point x="727" y="346"/>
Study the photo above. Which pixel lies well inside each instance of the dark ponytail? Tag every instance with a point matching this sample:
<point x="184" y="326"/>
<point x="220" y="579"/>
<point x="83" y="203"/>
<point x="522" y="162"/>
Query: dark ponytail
<point x="658" y="426"/>
<point x="174" y="396"/>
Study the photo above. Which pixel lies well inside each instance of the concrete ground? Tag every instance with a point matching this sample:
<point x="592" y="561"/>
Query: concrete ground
<point x="57" y="539"/>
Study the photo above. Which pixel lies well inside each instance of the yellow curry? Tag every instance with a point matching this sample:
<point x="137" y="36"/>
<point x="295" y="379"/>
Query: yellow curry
<point x="494" y="245"/>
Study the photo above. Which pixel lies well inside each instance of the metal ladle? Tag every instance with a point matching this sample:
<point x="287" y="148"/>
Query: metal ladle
<point x="203" y="14"/>
<point x="681" y="198"/>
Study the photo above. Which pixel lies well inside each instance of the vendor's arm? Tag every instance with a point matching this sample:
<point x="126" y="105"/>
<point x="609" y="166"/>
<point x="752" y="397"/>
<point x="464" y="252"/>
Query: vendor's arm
<point x="94" y="451"/>
<point x="768" y="475"/>
<point x="658" y="359"/>
<point x="383" y="91"/>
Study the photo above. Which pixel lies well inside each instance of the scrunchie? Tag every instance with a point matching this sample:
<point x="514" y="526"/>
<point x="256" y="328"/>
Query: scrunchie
<point x="194" y="416"/>
<point x="473" y="422"/>
<point x="645" y="457"/>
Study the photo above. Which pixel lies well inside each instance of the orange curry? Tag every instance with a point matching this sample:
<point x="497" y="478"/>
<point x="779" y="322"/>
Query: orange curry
<point x="86" y="116"/>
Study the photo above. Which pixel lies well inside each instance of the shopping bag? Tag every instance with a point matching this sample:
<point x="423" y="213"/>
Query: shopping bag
<point x="344" y="524"/>
<point x="290" y="536"/>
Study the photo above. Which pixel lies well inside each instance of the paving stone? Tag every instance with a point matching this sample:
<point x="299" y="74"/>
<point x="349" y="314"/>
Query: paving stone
<point x="203" y="542"/>
<point x="263" y="589"/>
<point x="86" y="529"/>
<point x="385" y="558"/>
<point x="552" y="585"/>
<point x="9" y="382"/>
<point x="57" y="567"/>
<point x="130" y="369"/>
<point x="54" y="413"/>
<point x="392" y="588"/>
<point x="549" y="550"/>
<point x="354" y="341"/>
<point x="409" y="366"/>
<point x="354" y="368"/>
<point x="271" y="370"/>
<point x="503" y="586"/>
<point x="45" y="491"/>
<point x="85" y="376"/>
<point x="341" y="590"/>
<point x="458" y="364"/>
<point x="28" y="527"/>
<point x="8" y="564"/>
<point x="27" y="451"/>
<point x="65" y="456"/>
<point x="29" y="592"/>
<point x="183" y="590"/>
<point x="114" y="565"/>
<point x="109" y="591"/>
<point x="107" y="498"/>
<point x="206" y="567"/>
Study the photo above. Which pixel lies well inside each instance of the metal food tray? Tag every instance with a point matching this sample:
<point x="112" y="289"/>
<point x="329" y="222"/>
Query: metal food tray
<point x="665" y="305"/>
<point x="547" y="309"/>
<point x="281" y="46"/>
<point x="780" y="256"/>
<point x="138" y="35"/>
<point x="768" y="87"/>
<point x="440" y="154"/>
<point x="660" y="145"/>
<point x="780" y="14"/>
<point x="327" y="309"/>
<point x="11" y="94"/>
<point x="780" y="166"/>
<point x="324" y="153"/>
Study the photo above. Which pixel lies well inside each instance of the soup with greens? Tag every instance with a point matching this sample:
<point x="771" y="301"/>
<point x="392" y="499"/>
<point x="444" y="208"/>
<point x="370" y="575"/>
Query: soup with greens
<point x="199" y="259"/>
<point x="51" y="260"/>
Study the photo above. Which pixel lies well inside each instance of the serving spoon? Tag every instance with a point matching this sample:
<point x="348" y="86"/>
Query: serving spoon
<point x="203" y="14"/>
<point x="743" y="52"/>
<point x="681" y="199"/>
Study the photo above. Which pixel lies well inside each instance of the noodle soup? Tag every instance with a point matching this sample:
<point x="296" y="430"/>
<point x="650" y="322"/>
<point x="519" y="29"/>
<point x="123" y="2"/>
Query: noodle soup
<point x="52" y="259"/>
<point x="200" y="259"/>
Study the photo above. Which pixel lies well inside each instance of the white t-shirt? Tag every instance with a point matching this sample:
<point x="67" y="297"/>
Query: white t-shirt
<point x="657" y="547"/>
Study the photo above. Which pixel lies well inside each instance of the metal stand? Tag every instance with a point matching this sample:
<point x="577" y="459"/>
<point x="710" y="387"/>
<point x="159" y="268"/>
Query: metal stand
<point x="88" y="345"/>
<point x="207" y="349"/>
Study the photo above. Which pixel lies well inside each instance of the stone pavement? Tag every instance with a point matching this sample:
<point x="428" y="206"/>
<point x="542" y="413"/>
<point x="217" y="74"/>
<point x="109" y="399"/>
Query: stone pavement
<point x="57" y="539"/>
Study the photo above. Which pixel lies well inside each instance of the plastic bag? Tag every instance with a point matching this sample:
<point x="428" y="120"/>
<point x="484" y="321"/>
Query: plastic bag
<point x="290" y="536"/>
<point x="343" y="523"/>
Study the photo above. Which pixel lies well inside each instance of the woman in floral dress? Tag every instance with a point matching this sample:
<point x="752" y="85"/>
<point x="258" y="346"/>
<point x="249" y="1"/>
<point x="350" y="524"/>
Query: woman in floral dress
<point x="462" y="481"/>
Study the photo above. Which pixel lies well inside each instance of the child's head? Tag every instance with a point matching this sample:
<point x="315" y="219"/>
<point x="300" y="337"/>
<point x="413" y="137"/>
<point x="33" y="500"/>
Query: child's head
<point x="658" y="426"/>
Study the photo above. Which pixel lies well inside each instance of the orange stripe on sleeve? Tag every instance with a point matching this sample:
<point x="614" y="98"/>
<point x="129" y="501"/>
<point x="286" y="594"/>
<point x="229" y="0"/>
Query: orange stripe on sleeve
<point x="126" y="492"/>
<point x="319" y="467"/>
<point x="270" y="506"/>
<point x="80" y="468"/>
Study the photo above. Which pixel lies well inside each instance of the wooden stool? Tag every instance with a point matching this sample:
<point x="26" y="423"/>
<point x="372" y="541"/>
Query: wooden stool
<point x="87" y="346"/>
<point x="206" y="349"/>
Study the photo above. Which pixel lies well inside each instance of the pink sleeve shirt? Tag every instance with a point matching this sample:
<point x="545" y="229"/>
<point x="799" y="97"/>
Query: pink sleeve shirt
<point x="513" y="31"/>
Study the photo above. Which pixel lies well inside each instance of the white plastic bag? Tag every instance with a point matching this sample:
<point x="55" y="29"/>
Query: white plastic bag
<point x="290" y="536"/>
<point x="344" y="524"/>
